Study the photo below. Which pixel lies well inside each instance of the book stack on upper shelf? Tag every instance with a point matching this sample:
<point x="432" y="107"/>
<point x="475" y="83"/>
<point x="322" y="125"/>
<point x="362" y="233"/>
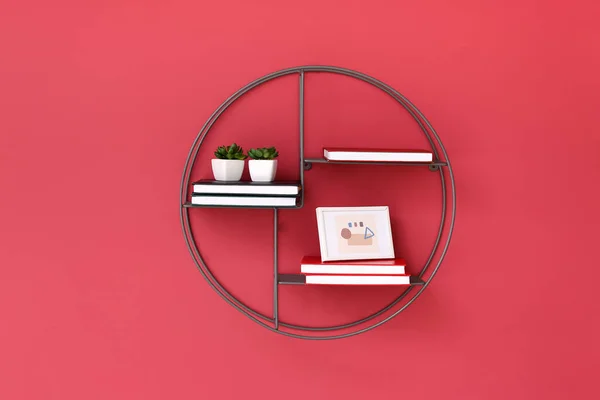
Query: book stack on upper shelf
<point x="377" y="155"/>
<point x="245" y="194"/>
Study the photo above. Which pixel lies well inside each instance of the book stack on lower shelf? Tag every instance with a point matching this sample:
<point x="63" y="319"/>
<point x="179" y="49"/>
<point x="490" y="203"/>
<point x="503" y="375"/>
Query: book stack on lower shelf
<point x="380" y="272"/>
<point x="210" y="193"/>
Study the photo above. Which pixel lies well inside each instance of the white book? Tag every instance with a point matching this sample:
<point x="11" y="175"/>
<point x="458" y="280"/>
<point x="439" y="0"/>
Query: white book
<point x="334" y="154"/>
<point x="357" y="280"/>
<point x="243" y="187"/>
<point x="244" y="201"/>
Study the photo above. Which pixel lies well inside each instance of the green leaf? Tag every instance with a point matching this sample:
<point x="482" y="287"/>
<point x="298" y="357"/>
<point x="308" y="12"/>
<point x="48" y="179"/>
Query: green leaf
<point x="221" y="152"/>
<point x="232" y="152"/>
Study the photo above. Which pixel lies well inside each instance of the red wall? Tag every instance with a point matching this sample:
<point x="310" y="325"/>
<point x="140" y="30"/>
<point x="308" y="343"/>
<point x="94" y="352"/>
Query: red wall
<point x="100" y="102"/>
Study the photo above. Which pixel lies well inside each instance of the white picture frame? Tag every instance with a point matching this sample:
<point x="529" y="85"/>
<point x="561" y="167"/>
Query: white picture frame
<point x="355" y="233"/>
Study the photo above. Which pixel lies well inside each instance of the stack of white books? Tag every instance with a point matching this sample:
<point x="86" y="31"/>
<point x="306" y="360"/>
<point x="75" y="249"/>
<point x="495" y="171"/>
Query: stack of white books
<point x="245" y="194"/>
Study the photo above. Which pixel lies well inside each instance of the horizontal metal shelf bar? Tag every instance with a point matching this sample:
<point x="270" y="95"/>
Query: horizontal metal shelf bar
<point x="397" y="163"/>
<point x="292" y="279"/>
<point x="300" y="279"/>
<point x="190" y="205"/>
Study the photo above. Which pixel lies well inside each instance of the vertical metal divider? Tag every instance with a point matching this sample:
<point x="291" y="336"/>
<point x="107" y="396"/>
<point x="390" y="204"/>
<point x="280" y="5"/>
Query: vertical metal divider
<point x="275" y="272"/>
<point x="275" y="215"/>
<point x="301" y="124"/>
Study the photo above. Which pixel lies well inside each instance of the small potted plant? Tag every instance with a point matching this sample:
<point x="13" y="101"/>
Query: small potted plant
<point x="263" y="164"/>
<point x="229" y="164"/>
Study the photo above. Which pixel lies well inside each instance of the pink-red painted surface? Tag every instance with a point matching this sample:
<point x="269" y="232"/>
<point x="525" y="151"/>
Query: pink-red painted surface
<point x="100" y="101"/>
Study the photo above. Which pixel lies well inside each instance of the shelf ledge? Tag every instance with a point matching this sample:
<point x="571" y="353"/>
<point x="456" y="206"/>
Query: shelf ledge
<point x="300" y="279"/>
<point x="433" y="166"/>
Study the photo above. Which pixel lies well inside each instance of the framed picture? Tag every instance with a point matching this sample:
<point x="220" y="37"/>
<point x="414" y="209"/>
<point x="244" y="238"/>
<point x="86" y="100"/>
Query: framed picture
<point x="355" y="233"/>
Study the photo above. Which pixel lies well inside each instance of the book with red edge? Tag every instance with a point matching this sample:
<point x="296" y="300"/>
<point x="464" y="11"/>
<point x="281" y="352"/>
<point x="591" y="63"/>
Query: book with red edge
<point x="381" y="155"/>
<point x="357" y="279"/>
<point x="314" y="265"/>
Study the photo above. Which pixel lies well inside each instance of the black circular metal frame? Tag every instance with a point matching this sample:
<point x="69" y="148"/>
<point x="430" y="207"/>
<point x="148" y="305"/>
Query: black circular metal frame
<point x="447" y="218"/>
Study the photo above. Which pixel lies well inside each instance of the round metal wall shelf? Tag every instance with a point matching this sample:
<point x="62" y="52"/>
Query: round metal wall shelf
<point x="440" y="166"/>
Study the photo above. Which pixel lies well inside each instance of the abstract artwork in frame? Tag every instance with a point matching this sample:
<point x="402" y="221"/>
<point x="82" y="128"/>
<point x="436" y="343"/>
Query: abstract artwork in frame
<point x="355" y="233"/>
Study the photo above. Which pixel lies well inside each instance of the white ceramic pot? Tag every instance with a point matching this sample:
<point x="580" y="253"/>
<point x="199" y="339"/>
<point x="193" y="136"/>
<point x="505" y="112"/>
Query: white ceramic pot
<point x="262" y="170"/>
<point x="227" y="170"/>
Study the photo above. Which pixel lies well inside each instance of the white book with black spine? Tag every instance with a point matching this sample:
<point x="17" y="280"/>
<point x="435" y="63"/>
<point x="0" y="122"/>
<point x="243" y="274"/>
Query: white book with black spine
<point x="244" y="201"/>
<point x="277" y="188"/>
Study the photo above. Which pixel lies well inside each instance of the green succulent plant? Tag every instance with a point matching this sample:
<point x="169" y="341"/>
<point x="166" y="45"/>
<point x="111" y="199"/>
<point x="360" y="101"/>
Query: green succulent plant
<point x="233" y="152"/>
<point x="263" y="153"/>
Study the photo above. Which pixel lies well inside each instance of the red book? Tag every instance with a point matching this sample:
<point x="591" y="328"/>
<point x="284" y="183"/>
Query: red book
<point x="314" y="265"/>
<point x="389" y="155"/>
